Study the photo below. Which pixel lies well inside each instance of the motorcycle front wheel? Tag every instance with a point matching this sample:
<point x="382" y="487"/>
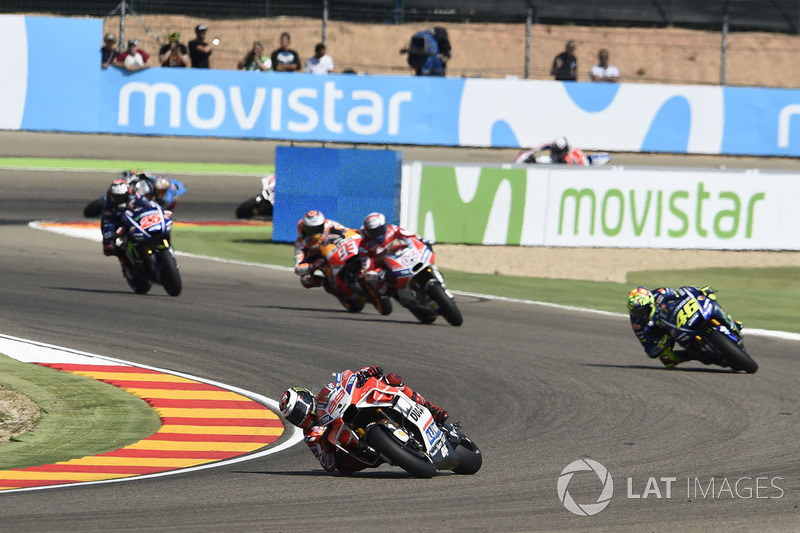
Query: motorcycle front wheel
<point x="94" y="208"/>
<point x="170" y="276"/>
<point x="470" y="459"/>
<point x="393" y="450"/>
<point x="736" y="357"/>
<point x="447" y="307"/>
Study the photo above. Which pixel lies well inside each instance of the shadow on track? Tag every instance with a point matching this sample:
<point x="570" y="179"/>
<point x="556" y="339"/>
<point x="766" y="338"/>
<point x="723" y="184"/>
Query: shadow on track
<point x="675" y="369"/>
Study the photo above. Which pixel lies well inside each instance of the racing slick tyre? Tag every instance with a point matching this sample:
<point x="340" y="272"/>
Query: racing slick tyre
<point x="352" y="305"/>
<point x="447" y="307"/>
<point x="248" y="208"/>
<point x="470" y="459"/>
<point x="736" y="357"/>
<point x="393" y="450"/>
<point x="138" y="283"/>
<point x="425" y="316"/>
<point x="170" y="276"/>
<point x="94" y="208"/>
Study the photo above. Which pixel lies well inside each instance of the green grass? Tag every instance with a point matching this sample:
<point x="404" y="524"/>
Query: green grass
<point x="79" y="416"/>
<point x="106" y="165"/>
<point x="763" y="298"/>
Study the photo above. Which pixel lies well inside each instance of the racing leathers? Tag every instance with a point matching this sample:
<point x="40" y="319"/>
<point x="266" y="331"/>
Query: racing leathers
<point x="321" y="439"/>
<point x="306" y="251"/>
<point x="373" y="252"/>
<point x="112" y="227"/>
<point x="574" y="156"/>
<point x="656" y="340"/>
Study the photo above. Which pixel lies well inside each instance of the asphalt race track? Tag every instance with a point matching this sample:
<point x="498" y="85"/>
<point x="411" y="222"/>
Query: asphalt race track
<point x="536" y="387"/>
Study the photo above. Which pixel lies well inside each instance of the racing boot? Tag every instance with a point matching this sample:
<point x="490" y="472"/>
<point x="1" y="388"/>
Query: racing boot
<point x="440" y="416"/>
<point x="671" y="359"/>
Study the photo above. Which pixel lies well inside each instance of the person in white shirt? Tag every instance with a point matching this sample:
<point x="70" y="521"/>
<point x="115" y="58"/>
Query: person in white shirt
<point x="603" y="71"/>
<point x="320" y="62"/>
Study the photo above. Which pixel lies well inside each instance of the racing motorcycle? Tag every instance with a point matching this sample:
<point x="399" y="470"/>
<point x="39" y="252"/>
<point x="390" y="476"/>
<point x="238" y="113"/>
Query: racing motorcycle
<point x="261" y="204"/>
<point x="699" y="324"/>
<point x="142" y="185"/>
<point x="376" y="423"/>
<point x="340" y="268"/>
<point x="577" y="156"/>
<point x="145" y="239"/>
<point x="417" y="284"/>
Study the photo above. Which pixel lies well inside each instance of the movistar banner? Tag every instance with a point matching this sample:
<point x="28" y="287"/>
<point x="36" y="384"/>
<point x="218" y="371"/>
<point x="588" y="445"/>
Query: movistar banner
<point x="607" y="207"/>
<point x="41" y="92"/>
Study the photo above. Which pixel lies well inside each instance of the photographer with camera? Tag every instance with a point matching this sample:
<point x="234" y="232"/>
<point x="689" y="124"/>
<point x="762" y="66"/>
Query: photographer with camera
<point x="255" y="59"/>
<point x="199" y="49"/>
<point x="174" y="54"/>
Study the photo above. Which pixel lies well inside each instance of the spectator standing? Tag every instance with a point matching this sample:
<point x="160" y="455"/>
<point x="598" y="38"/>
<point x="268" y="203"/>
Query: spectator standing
<point x="603" y="71"/>
<point x="109" y="50"/>
<point x="320" y="62"/>
<point x="199" y="49"/>
<point x="565" y="64"/>
<point x="285" y="59"/>
<point x="133" y="58"/>
<point x="174" y="54"/>
<point x="255" y="59"/>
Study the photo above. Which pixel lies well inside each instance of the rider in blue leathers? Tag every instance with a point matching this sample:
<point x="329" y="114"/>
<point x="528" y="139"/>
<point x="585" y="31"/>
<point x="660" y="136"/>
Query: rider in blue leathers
<point x="656" y="341"/>
<point x="119" y="198"/>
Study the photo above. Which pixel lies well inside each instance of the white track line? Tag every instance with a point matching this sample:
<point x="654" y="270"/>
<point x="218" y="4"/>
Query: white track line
<point x="94" y="234"/>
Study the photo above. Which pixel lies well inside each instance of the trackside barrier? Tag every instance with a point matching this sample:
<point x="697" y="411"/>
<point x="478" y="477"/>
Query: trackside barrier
<point x="603" y="207"/>
<point x="40" y="93"/>
<point x="345" y="184"/>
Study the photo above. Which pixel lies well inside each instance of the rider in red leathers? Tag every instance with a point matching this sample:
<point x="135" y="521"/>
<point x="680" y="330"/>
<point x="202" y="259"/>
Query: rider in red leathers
<point x="560" y="152"/>
<point x="299" y="406"/>
<point x="312" y="229"/>
<point x="376" y="237"/>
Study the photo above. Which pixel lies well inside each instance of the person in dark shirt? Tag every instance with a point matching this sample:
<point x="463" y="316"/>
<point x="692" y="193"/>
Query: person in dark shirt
<point x="565" y="64"/>
<point x="284" y="59"/>
<point x="174" y="54"/>
<point x="199" y="49"/>
<point x="109" y="50"/>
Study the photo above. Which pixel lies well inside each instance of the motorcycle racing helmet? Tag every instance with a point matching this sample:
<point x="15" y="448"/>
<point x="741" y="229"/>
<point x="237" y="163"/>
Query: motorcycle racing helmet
<point x="641" y="304"/>
<point x="375" y="226"/>
<point x="559" y="148"/>
<point x="119" y="192"/>
<point x="313" y="223"/>
<point x="299" y="407"/>
<point x="161" y="186"/>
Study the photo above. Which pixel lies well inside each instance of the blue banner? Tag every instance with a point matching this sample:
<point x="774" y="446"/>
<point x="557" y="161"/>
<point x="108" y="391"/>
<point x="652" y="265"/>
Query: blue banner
<point x="345" y="184"/>
<point x="43" y="91"/>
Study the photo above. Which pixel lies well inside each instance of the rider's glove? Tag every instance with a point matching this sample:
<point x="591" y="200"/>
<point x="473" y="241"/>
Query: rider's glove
<point x="362" y="376"/>
<point x="708" y="291"/>
<point x="308" y="281"/>
<point x="427" y="242"/>
<point x="317" y="434"/>
<point x="108" y="248"/>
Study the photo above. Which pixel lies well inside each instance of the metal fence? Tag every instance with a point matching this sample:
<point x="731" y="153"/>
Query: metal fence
<point x="744" y="15"/>
<point x="524" y="34"/>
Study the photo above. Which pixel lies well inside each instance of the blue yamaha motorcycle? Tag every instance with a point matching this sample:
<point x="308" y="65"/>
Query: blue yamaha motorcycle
<point x="146" y="243"/>
<point x="699" y="324"/>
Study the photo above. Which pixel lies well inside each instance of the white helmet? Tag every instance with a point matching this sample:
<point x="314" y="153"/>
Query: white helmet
<point x="313" y="223"/>
<point x="375" y="226"/>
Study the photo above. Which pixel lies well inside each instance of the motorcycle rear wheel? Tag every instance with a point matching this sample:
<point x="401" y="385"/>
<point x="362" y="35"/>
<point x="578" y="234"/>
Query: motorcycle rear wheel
<point x="170" y="276"/>
<point x="425" y="316"/>
<point x="447" y="307"/>
<point x="736" y="357"/>
<point x="379" y="438"/>
<point x="138" y="283"/>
